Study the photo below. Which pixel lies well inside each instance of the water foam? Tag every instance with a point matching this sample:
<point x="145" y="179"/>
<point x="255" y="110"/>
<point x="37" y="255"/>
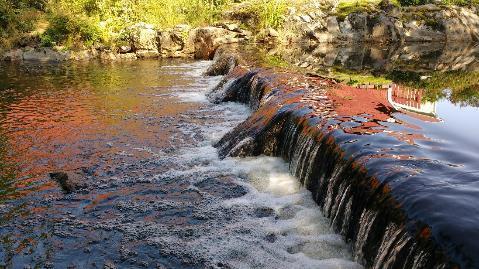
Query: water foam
<point x="276" y="224"/>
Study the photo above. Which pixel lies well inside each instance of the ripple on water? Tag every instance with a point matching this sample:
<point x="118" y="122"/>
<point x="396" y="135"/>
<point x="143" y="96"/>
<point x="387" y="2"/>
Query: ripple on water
<point x="158" y="193"/>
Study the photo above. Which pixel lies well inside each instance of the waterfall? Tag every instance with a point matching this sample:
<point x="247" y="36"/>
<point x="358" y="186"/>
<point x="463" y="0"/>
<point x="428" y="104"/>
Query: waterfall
<point x="297" y="123"/>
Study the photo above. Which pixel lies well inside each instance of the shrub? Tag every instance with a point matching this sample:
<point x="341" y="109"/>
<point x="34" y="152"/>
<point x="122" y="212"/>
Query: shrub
<point x="413" y="2"/>
<point x="266" y="13"/>
<point x="17" y="17"/>
<point x="70" y="30"/>
<point x="347" y="7"/>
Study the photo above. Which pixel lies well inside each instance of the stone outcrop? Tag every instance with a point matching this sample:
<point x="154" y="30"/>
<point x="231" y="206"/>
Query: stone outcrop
<point x="381" y="58"/>
<point x="427" y="23"/>
<point x="143" y="40"/>
<point x="208" y="39"/>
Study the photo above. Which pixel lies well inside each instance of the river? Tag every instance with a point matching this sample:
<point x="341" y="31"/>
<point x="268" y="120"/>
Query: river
<point x="139" y="136"/>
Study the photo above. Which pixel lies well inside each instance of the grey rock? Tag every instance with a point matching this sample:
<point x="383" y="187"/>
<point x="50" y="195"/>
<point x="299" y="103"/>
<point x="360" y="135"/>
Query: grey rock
<point x="124" y="49"/>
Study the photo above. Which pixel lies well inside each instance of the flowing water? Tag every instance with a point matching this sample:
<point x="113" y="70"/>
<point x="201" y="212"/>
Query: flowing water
<point x="139" y="136"/>
<point x="394" y="166"/>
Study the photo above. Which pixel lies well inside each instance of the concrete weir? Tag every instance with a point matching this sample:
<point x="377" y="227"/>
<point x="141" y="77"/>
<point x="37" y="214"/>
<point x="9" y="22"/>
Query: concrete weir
<point x="395" y="202"/>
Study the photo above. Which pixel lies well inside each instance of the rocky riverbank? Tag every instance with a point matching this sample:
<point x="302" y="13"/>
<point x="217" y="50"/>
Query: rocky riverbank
<point x="311" y="23"/>
<point x="144" y="41"/>
<point x="384" y="24"/>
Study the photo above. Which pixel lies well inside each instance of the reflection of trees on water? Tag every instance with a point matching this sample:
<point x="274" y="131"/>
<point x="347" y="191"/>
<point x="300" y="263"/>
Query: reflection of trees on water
<point x="445" y="66"/>
<point x="459" y="87"/>
<point x="8" y="171"/>
<point x="402" y="98"/>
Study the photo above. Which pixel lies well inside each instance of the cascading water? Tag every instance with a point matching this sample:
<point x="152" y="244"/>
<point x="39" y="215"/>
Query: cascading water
<point x="157" y="195"/>
<point x="378" y="190"/>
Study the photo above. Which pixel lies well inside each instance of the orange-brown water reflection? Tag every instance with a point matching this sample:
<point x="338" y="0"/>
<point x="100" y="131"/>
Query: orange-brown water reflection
<point x="69" y="117"/>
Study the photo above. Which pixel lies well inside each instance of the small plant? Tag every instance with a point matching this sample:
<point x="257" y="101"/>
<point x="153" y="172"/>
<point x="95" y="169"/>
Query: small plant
<point x="347" y="7"/>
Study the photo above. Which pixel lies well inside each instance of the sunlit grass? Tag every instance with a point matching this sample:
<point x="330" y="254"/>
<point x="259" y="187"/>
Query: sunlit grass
<point x="346" y="7"/>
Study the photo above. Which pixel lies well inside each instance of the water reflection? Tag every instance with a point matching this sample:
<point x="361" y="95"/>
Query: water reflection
<point x="429" y="67"/>
<point x="157" y="195"/>
<point x="90" y="119"/>
<point x="50" y="115"/>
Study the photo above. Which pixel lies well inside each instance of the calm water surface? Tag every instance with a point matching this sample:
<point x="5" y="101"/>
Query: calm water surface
<point x="139" y="136"/>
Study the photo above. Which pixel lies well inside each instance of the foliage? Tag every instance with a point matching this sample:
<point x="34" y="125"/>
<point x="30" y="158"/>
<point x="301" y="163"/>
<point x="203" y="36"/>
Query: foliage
<point x="73" y="22"/>
<point x="413" y="2"/>
<point x="347" y="7"/>
<point x="463" y="85"/>
<point x="17" y="17"/>
<point x="267" y="13"/>
<point x="70" y="31"/>
<point x="354" y="78"/>
<point x="111" y="16"/>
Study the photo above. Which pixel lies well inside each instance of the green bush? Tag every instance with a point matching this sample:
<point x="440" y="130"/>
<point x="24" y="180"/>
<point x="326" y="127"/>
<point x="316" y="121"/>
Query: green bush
<point x="17" y="17"/>
<point x="266" y="13"/>
<point x="70" y="31"/>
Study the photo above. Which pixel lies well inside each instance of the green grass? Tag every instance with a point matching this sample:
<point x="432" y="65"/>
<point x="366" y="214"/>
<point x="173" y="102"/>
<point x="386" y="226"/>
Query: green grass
<point x="346" y="7"/>
<point x="262" y="14"/>
<point x="355" y="78"/>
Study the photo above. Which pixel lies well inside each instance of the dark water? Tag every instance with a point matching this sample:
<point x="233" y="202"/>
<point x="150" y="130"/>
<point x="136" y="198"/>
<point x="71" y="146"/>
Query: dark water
<point x="139" y="136"/>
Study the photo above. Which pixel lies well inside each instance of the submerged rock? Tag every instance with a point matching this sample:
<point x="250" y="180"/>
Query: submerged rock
<point x="68" y="182"/>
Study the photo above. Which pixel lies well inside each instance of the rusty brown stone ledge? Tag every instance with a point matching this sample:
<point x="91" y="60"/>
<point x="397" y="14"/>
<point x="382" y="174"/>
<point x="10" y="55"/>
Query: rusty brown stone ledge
<point x="338" y="144"/>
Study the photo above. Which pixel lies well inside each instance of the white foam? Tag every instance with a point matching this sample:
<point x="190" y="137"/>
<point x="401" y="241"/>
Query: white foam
<point x="296" y="235"/>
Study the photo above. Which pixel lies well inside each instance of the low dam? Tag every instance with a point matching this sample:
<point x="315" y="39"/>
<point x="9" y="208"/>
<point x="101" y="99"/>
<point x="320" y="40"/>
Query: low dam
<point x="389" y="174"/>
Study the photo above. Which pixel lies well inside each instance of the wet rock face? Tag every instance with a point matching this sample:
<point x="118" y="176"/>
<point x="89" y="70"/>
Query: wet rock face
<point x="224" y="62"/>
<point x="329" y="142"/>
<point x="177" y="42"/>
<point x="208" y="39"/>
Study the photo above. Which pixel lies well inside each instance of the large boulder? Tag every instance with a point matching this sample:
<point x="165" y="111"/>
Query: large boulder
<point x="143" y="40"/>
<point x="354" y="27"/>
<point x="208" y="39"/>
<point x="459" y="24"/>
<point x="416" y="31"/>
<point x="224" y="61"/>
<point x="177" y="42"/>
<point x="330" y="32"/>
<point x="13" y="55"/>
<point x="383" y="28"/>
<point x="44" y="55"/>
